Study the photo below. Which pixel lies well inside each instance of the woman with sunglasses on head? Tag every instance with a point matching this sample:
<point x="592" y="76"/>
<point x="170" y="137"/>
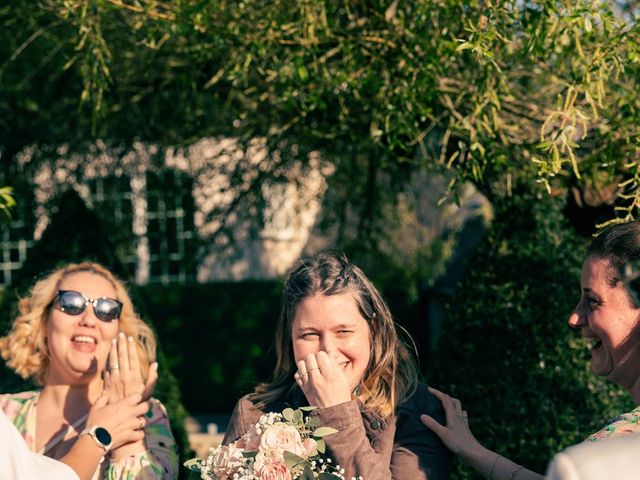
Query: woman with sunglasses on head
<point x="76" y="322"/>
<point x="338" y="349"/>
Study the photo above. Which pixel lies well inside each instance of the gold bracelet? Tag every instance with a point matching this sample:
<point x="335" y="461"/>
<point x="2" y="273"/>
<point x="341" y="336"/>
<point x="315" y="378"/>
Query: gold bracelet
<point x="514" y="474"/>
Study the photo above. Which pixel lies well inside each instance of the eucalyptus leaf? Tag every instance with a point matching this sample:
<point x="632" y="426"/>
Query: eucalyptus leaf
<point x="291" y="459"/>
<point x="308" y="409"/>
<point x="307" y="474"/>
<point x="324" y="431"/>
<point x="287" y="414"/>
<point x="328" y="476"/>
<point x="312" y="423"/>
<point x="297" y="416"/>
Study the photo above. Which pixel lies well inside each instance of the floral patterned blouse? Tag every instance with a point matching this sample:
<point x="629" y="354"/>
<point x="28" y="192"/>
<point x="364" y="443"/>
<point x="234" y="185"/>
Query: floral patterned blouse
<point x="621" y="425"/>
<point x="159" y="461"/>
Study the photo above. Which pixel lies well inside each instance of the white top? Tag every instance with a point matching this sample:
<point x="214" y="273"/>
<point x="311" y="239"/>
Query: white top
<point x="615" y="458"/>
<point x="17" y="462"/>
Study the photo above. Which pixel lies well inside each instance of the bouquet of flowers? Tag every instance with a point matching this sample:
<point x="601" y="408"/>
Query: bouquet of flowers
<point x="280" y="446"/>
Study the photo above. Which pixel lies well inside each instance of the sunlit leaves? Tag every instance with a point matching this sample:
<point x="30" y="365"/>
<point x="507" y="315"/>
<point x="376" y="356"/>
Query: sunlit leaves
<point x="487" y="90"/>
<point x="6" y="200"/>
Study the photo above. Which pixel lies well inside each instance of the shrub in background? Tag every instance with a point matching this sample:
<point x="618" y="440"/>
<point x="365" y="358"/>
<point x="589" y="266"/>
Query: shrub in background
<point x="507" y="352"/>
<point x="217" y="337"/>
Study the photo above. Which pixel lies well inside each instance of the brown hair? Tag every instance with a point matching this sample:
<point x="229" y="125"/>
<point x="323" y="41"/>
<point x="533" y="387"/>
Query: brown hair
<point x="25" y="347"/>
<point x="620" y="244"/>
<point x="391" y="376"/>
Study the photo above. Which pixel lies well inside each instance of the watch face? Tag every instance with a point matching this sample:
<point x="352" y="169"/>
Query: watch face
<point x="103" y="436"/>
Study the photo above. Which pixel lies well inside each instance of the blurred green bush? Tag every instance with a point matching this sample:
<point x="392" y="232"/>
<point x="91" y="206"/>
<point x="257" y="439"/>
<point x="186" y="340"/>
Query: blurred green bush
<point x="217" y="337"/>
<point x="507" y="352"/>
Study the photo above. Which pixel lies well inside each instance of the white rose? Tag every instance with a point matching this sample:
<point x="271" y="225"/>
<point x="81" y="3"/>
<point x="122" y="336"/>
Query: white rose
<point x="280" y="438"/>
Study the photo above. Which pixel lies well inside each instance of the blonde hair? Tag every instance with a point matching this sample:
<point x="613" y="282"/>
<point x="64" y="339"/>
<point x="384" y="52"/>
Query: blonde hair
<point x="391" y="376"/>
<point x="25" y="347"/>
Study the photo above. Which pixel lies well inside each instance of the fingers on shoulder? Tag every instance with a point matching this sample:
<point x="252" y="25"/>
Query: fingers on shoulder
<point x="448" y="402"/>
<point x="432" y="424"/>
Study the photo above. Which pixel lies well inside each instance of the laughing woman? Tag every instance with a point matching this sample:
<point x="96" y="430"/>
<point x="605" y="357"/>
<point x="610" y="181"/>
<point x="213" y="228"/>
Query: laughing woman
<point x="338" y="349"/>
<point x="74" y="322"/>
<point x="609" y="319"/>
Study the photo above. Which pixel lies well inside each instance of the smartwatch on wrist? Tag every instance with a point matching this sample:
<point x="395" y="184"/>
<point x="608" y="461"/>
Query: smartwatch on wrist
<point x="100" y="435"/>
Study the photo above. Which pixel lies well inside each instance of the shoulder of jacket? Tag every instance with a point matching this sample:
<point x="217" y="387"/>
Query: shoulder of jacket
<point x="421" y="399"/>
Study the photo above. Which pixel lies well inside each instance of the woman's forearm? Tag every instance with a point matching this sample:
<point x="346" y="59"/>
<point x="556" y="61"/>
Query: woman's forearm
<point x="84" y="457"/>
<point x="496" y="467"/>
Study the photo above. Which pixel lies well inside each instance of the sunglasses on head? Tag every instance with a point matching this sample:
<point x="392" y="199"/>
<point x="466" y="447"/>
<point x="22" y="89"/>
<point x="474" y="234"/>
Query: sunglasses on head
<point x="74" y="303"/>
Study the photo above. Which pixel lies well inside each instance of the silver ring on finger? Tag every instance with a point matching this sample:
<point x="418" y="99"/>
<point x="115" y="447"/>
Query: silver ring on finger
<point x="115" y="366"/>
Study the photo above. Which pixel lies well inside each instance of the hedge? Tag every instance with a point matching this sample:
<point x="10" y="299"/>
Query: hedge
<point x="507" y="352"/>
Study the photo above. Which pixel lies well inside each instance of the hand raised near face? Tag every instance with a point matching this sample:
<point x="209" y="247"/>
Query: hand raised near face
<point x="123" y="377"/>
<point x="322" y="380"/>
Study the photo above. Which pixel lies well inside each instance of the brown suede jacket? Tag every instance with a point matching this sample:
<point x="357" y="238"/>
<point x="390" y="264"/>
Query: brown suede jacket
<point x="398" y="447"/>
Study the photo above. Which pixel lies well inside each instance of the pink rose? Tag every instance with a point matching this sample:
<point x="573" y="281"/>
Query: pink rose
<point x="273" y="471"/>
<point x="280" y="438"/>
<point x="265" y="457"/>
<point x="310" y="447"/>
<point x="250" y="441"/>
<point x="227" y="460"/>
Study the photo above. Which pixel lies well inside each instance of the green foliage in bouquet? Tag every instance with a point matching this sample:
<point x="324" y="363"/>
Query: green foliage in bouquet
<point x="507" y="352"/>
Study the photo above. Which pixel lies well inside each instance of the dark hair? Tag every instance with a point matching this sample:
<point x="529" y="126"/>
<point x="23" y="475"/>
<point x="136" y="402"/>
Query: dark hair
<point x="620" y="244"/>
<point x="391" y="375"/>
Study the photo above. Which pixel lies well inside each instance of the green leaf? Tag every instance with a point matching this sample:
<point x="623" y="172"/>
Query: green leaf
<point x="328" y="476"/>
<point x="291" y="459"/>
<point x="287" y="413"/>
<point x="297" y="416"/>
<point x="321" y="446"/>
<point x="324" y="431"/>
<point x="312" y="423"/>
<point x="308" y="409"/>
<point x="303" y="73"/>
<point x="307" y="473"/>
<point x="464" y="46"/>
